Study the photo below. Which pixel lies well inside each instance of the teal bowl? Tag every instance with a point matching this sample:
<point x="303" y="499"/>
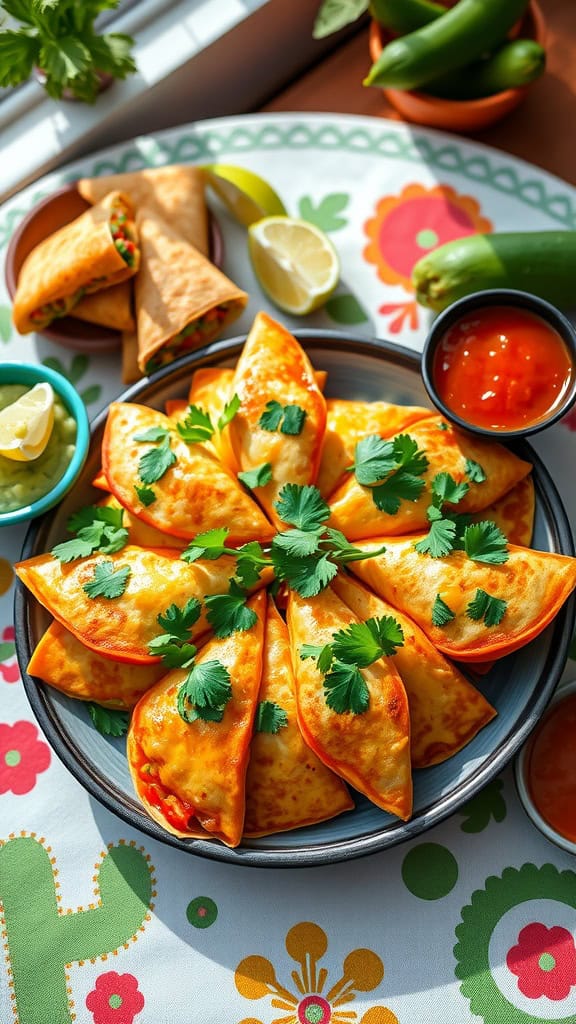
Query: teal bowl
<point x="29" y="375"/>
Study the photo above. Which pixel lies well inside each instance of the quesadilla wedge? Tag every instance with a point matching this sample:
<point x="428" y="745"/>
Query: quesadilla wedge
<point x="273" y="375"/>
<point x="63" y="662"/>
<point x="179" y="310"/>
<point x="287" y="786"/>
<point x="110" y="307"/>
<point x="370" y="750"/>
<point x="211" y="390"/>
<point x="347" y="422"/>
<point x="530" y="588"/>
<point x="446" y="711"/>
<point x="354" y="507"/>
<point x="176" y="193"/>
<point x="122" y="627"/>
<point x="195" y="493"/>
<point x="513" y="513"/>
<point x="142" y="534"/>
<point x="95" y="251"/>
<point x="191" y="775"/>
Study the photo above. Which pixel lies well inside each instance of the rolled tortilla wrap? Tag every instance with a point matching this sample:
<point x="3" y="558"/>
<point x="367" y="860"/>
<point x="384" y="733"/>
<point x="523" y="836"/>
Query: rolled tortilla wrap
<point x="110" y="307"/>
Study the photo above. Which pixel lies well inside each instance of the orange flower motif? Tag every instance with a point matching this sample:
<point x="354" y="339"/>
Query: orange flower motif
<point x="309" y="1003"/>
<point x="407" y="226"/>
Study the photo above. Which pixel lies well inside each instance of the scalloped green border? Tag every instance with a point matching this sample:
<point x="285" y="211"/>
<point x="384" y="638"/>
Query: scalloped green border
<point x="207" y="145"/>
<point x="480" y="918"/>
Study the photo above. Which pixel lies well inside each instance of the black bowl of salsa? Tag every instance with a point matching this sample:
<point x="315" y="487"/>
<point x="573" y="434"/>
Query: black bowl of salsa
<point x="501" y="363"/>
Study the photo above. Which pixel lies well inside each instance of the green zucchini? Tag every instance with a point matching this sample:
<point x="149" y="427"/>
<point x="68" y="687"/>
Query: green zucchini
<point x="455" y="39"/>
<point x="402" y="16"/>
<point x="542" y="262"/>
<point x="511" y="66"/>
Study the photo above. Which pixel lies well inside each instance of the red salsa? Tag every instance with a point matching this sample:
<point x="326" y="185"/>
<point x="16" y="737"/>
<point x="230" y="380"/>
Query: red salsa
<point x="502" y="368"/>
<point x="552" y="768"/>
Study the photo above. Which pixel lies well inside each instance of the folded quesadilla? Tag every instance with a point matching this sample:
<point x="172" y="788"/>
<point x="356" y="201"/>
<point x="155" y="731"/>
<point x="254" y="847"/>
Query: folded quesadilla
<point x="110" y="307"/>
<point x="95" y="251"/>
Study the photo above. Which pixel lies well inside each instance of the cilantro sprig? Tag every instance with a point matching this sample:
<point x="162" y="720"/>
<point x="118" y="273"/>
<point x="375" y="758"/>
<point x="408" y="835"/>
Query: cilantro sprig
<point x="97" y="528"/>
<point x="205" y="692"/>
<point x="107" y="581"/>
<point x="453" y="531"/>
<point x="487" y="607"/>
<point x="197" y="426"/>
<point x="391" y="468"/>
<point x="351" y="649"/>
<point x="270" y="717"/>
<point x="288" y="419"/>
<point x="109" y="721"/>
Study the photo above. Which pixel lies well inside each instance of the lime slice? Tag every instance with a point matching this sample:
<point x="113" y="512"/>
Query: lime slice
<point x="245" y="194"/>
<point x="26" y="424"/>
<point x="295" y="263"/>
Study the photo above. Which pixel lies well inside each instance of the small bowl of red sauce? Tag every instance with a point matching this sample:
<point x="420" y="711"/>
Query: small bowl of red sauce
<point x="545" y="770"/>
<point x="501" y="363"/>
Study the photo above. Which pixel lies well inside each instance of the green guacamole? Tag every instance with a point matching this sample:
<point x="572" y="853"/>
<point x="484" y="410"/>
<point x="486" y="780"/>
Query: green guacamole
<point x="21" y="483"/>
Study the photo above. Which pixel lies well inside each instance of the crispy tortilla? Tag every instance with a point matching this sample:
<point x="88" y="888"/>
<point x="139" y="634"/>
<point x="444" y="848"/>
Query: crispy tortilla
<point x="192" y="296"/>
<point x="446" y="711"/>
<point x="176" y="193"/>
<point x="79" y="257"/>
<point x="110" y="307"/>
<point x="287" y="786"/>
<point x="191" y="776"/>
<point x="371" y="750"/>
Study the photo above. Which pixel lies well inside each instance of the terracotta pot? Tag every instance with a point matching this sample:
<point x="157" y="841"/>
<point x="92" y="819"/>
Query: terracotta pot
<point x="458" y="115"/>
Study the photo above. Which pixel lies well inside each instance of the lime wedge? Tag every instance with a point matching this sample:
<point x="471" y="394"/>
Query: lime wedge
<point x="295" y="263"/>
<point x="245" y="194"/>
<point x="26" y="424"/>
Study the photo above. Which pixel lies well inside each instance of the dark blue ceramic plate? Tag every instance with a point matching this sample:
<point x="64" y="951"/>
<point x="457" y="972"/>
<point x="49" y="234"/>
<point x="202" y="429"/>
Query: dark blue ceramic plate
<point x="520" y="686"/>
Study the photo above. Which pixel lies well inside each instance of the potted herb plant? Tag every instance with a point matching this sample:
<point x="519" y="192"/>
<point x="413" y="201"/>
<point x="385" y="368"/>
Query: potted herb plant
<point x="57" y="40"/>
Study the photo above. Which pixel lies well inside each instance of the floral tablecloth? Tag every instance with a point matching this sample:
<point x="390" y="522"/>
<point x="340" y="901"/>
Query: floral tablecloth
<point x="475" y="919"/>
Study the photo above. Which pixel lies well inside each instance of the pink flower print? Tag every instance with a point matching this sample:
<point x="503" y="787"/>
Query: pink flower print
<point x="116" y="999"/>
<point x="22" y="757"/>
<point x="8" y="672"/>
<point x="544" y="961"/>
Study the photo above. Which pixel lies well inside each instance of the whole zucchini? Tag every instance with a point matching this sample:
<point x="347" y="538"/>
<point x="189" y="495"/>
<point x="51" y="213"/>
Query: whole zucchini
<point x="542" y="262"/>
<point x="511" y="66"/>
<point x="458" y="37"/>
<point x="402" y="16"/>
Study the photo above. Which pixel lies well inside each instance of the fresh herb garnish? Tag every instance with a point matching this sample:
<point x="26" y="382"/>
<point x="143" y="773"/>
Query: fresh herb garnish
<point x="257" y="477"/>
<point x="474" y="472"/>
<point x="302" y="506"/>
<point x="153" y="434"/>
<point x="351" y="649"/>
<point x="196" y="426"/>
<point x="392" y="469"/>
<point x="442" y="614"/>
<point x="228" y="413"/>
<point x="156" y="461"/>
<point x="440" y="539"/>
<point x="288" y="419"/>
<point x="175" y="645"/>
<point x="227" y="613"/>
<point x="107" y="582"/>
<point x="109" y="721"/>
<point x="485" y="606"/>
<point x="145" y="495"/>
<point x="97" y="528"/>
<point x="485" y="542"/>
<point x="270" y="717"/>
<point x="205" y="692"/>
<point x="447" y="490"/>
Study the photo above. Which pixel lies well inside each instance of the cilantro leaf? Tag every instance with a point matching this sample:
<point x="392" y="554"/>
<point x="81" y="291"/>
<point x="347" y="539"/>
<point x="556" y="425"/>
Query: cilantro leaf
<point x="179" y="621"/>
<point x="196" y="426"/>
<point x="109" y="721"/>
<point x="408" y="455"/>
<point x="302" y="506"/>
<point x="485" y="606"/>
<point x="485" y="542"/>
<point x="299" y="543"/>
<point x="475" y="472"/>
<point x="145" y="495"/>
<point x="270" y="717"/>
<point x="107" y="582"/>
<point x="446" y="489"/>
<point x="153" y="434"/>
<point x="271" y="418"/>
<point x="293" y="421"/>
<point x="205" y="692"/>
<point x="99" y="528"/>
<point x="322" y="655"/>
<point x="307" y="576"/>
<point x="156" y="462"/>
<point x="87" y="515"/>
<point x="228" y="413"/>
<point x="174" y="652"/>
<point x="251" y="559"/>
<point x="442" y="614"/>
<point x="373" y="459"/>
<point x="442" y="426"/>
<point x="361" y="643"/>
<point x="439" y="541"/>
<point x="227" y="613"/>
<point x="345" y="689"/>
<point x="210" y="545"/>
<point x="399" y="486"/>
<point x="343" y="551"/>
<point x="257" y="477"/>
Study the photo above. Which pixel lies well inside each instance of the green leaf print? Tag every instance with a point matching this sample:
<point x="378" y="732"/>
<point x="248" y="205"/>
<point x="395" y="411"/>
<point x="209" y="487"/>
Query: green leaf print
<point x="78" y="368"/>
<point x="325" y="214"/>
<point x="91" y="394"/>
<point x="5" y="323"/>
<point x="74" y="374"/>
<point x="7" y="649"/>
<point x="489" y="803"/>
<point x="345" y="309"/>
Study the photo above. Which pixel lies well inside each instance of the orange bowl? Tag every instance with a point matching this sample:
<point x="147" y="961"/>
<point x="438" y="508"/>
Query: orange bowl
<point x="458" y="115"/>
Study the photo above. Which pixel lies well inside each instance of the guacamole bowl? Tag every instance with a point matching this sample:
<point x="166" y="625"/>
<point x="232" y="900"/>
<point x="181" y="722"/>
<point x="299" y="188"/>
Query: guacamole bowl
<point x="30" y="488"/>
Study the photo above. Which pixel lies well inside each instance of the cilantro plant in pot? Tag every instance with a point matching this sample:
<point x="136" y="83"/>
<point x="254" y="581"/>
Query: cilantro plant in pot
<point x="57" y="41"/>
